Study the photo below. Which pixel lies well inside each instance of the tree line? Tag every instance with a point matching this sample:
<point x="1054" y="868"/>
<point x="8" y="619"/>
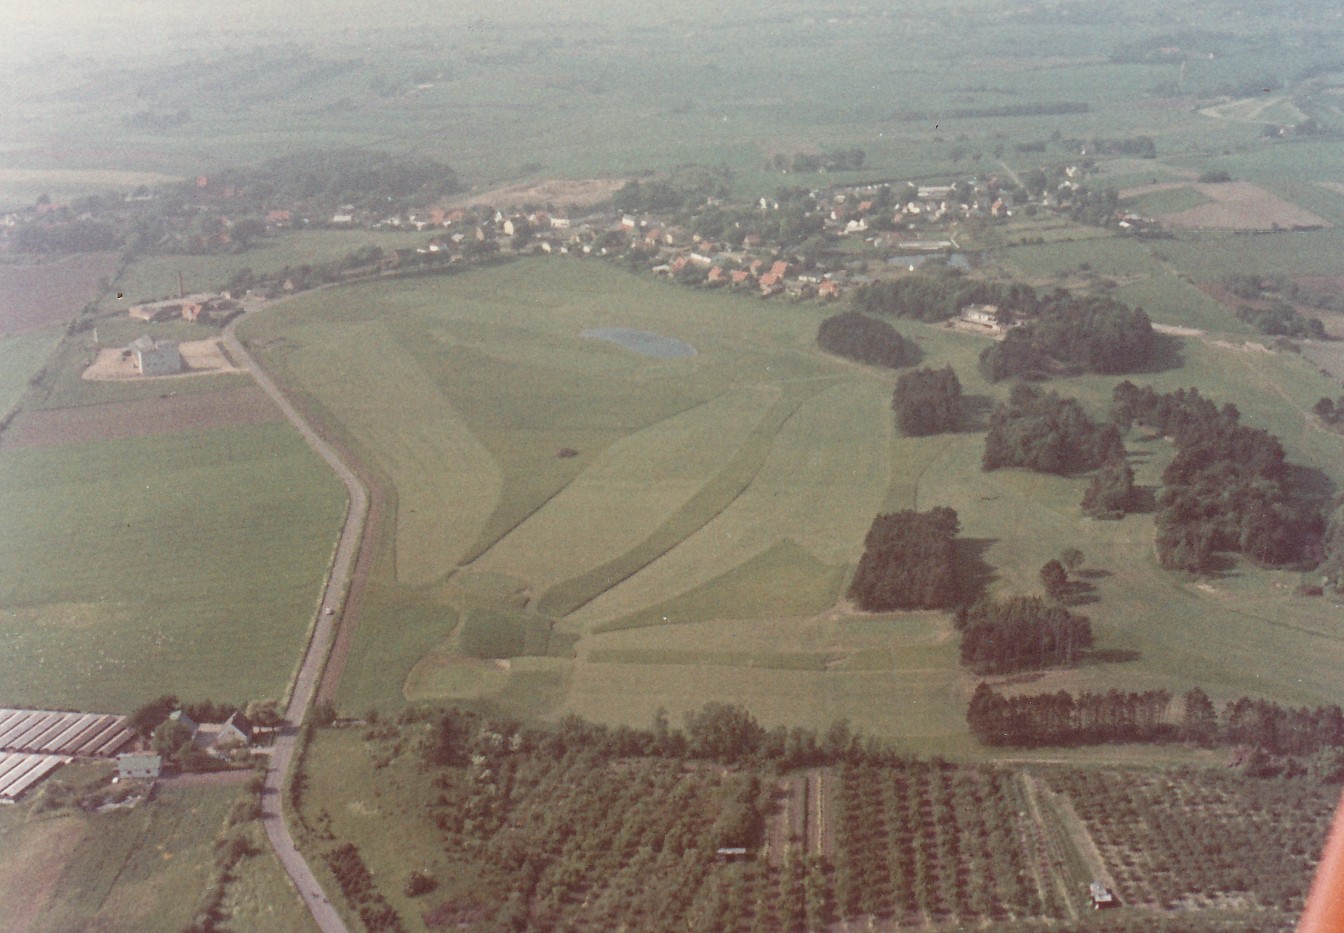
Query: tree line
<point x="1228" y="488"/>
<point x="858" y="337"/>
<point x="1062" y="718"/>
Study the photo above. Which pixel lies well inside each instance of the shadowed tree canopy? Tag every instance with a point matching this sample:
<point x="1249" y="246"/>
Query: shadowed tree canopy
<point x="1229" y="487"/>
<point x="1020" y="634"/>
<point x="859" y="337"/>
<point x="1047" y="433"/>
<point x="927" y="401"/>
<point x="909" y="562"/>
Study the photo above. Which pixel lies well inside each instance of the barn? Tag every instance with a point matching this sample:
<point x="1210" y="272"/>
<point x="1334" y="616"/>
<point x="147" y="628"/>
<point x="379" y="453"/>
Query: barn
<point x="156" y="357"/>
<point x="132" y="765"/>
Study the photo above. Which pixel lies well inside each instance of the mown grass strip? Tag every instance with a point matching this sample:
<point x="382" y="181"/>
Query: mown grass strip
<point x="717" y="495"/>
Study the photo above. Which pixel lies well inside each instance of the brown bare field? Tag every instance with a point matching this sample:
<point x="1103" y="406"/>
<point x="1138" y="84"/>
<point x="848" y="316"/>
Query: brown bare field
<point x="37" y="294"/>
<point x="1237" y="205"/>
<point x="29" y="876"/>
<point x="200" y="357"/>
<point x="142" y="418"/>
<point x="581" y="192"/>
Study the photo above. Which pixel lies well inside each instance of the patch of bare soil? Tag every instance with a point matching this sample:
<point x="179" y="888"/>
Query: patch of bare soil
<point x="1177" y="331"/>
<point x="141" y="418"/>
<point x="560" y="192"/>
<point x="35" y="295"/>
<point x="199" y="357"/>
<point x="31" y="869"/>
<point x="1237" y="205"/>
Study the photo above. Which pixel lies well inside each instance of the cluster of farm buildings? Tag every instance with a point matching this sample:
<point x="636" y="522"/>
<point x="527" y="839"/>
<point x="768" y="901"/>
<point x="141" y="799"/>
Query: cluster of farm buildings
<point x="35" y="743"/>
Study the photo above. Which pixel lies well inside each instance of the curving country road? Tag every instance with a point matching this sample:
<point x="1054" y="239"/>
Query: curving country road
<point x="324" y="632"/>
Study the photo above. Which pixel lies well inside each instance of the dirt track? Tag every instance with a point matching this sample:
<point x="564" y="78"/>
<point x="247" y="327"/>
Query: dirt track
<point x="141" y="418"/>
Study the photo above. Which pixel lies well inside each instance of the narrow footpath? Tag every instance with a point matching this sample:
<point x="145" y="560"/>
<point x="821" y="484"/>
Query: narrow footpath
<point x="324" y="632"/>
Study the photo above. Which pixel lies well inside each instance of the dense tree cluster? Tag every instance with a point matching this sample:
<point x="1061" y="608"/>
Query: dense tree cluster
<point x="1062" y="718"/>
<point x="332" y="177"/>
<point x="1280" y="288"/>
<point x="865" y="339"/>
<point x="1111" y="492"/>
<point x="1019" y="634"/>
<point x="927" y="401"/>
<point x="938" y="297"/>
<point x="909" y="562"/>
<point x="1098" y="335"/>
<point x="1047" y="433"/>
<point x="1227" y="489"/>
<point x="1281" y="319"/>
<point x="680" y="192"/>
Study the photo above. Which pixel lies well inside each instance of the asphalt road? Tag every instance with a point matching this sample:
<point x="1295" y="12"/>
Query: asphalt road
<point x="324" y="633"/>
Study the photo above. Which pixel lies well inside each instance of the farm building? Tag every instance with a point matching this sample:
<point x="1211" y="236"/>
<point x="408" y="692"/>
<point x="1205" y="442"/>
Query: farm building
<point x="53" y="733"/>
<point x="20" y="773"/>
<point x="236" y="729"/>
<point x="158" y="310"/>
<point x="156" y="357"/>
<point x="180" y="716"/>
<point x="1101" y="896"/>
<point x="133" y="765"/>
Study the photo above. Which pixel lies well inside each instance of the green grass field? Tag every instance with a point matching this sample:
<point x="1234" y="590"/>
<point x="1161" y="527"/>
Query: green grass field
<point x="1169" y="201"/>
<point x="137" y="871"/>
<point x="695" y="565"/>
<point x="135" y="566"/>
<point x="21" y="356"/>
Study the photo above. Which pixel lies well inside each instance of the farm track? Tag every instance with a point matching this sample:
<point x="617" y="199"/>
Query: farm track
<point x="306" y="681"/>
<point x="1039" y="845"/>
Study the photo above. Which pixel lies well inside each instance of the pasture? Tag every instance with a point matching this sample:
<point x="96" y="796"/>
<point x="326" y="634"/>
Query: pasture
<point x="21" y="356"/>
<point x="697" y="545"/>
<point x="129" y="871"/>
<point x="135" y="566"/>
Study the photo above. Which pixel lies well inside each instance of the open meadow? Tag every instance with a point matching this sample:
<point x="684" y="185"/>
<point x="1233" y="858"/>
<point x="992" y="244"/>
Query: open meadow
<point x="685" y="527"/>
<point x="139" y="870"/>
<point x="135" y="566"/>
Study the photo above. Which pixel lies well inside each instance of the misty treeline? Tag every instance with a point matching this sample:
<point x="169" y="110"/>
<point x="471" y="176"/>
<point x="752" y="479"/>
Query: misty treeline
<point x="189" y="217"/>
<point x="1088" y="718"/>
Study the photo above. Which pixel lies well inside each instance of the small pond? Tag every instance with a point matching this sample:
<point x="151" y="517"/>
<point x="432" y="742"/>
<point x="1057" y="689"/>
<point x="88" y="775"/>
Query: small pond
<point x="642" y="342"/>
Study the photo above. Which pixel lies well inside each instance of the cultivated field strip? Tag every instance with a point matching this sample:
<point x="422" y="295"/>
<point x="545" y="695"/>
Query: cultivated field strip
<point x="19" y="772"/>
<point x="629" y="491"/>
<point x="447" y="483"/>
<point x="824" y="479"/>
<point x="55" y="733"/>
